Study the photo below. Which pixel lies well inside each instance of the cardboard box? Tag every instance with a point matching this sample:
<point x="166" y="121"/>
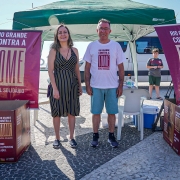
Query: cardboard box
<point x="171" y="131"/>
<point x="14" y="129"/>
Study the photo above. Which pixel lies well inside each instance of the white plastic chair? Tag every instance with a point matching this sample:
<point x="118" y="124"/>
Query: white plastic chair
<point x="133" y="105"/>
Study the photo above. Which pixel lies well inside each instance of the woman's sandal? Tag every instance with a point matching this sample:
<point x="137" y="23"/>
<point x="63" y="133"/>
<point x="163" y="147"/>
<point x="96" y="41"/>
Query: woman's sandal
<point x="160" y="98"/>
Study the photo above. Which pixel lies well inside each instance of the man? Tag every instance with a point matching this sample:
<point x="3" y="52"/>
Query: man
<point x="155" y="65"/>
<point x="103" y="57"/>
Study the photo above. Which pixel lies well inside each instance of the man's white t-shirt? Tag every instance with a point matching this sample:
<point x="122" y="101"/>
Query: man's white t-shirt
<point x="104" y="59"/>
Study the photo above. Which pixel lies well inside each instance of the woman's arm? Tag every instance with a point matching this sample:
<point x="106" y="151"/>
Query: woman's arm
<point x="77" y="70"/>
<point x="51" y="59"/>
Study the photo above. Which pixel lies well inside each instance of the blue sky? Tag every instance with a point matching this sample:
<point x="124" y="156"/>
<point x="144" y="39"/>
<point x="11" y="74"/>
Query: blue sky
<point x="8" y="7"/>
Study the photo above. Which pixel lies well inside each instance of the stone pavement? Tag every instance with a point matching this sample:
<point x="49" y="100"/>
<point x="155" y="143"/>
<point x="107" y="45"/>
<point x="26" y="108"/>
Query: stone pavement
<point x="151" y="158"/>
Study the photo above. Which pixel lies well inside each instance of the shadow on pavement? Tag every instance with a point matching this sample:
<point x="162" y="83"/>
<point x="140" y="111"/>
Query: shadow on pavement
<point x="31" y="165"/>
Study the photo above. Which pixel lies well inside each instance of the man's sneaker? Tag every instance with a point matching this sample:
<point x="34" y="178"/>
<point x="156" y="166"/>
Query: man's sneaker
<point x="113" y="142"/>
<point x="73" y="143"/>
<point x="56" y="144"/>
<point x="94" y="142"/>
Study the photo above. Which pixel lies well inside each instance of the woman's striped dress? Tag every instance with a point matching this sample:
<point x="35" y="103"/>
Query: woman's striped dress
<point x="68" y="86"/>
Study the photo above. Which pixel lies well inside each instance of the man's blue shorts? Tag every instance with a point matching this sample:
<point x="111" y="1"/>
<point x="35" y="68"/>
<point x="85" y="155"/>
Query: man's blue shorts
<point x="100" y="96"/>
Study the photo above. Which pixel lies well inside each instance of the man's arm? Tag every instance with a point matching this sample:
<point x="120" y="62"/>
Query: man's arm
<point x="87" y="78"/>
<point x="121" y="79"/>
<point x="161" y="66"/>
<point x="152" y="67"/>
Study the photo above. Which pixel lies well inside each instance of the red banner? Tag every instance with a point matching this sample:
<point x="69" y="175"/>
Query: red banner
<point x="170" y="40"/>
<point x="20" y="65"/>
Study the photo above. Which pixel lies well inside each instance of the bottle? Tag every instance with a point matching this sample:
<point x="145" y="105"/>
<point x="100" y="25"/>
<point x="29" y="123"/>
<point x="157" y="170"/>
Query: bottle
<point x="129" y="82"/>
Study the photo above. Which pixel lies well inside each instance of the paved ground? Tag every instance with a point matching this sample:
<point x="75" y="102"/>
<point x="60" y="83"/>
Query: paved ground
<point x="151" y="158"/>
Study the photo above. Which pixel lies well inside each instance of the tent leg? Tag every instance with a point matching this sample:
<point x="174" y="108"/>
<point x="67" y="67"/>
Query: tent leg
<point x="134" y="58"/>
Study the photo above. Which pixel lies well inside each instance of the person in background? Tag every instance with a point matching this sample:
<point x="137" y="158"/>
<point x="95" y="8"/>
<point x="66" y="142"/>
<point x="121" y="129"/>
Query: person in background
<point x="65" y="89"/>
<point x="103" y="57"/>
<point x="154" y="65"/>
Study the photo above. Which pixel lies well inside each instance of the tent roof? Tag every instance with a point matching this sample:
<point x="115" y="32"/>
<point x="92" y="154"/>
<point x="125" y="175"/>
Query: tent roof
<point x="82" y="16"/>
<point x="129" y="20"/>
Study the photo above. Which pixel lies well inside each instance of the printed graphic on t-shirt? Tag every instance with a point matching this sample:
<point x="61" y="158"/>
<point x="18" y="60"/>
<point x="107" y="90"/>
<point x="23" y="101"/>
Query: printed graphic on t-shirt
<point x="103" y="59"/>
<point x="156" y="62"/>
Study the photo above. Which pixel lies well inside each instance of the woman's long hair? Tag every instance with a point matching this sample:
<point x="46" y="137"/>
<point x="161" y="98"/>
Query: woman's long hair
<point x="56" y="44"/>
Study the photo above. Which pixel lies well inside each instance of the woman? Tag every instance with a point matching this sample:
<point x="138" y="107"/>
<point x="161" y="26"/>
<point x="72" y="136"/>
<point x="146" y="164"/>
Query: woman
<point x="63" y="69"/>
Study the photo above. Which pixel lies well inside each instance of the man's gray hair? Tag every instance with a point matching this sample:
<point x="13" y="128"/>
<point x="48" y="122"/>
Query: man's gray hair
<point x="104" y="21"/>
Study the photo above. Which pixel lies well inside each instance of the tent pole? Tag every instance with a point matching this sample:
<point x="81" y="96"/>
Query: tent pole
<point x="134" y="58"/>
<point x="42" y="44"/>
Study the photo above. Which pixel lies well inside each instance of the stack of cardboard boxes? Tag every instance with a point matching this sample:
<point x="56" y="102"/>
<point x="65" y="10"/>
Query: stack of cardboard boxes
<point x="14" y="129"/>
<point x="171" y="131"/>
